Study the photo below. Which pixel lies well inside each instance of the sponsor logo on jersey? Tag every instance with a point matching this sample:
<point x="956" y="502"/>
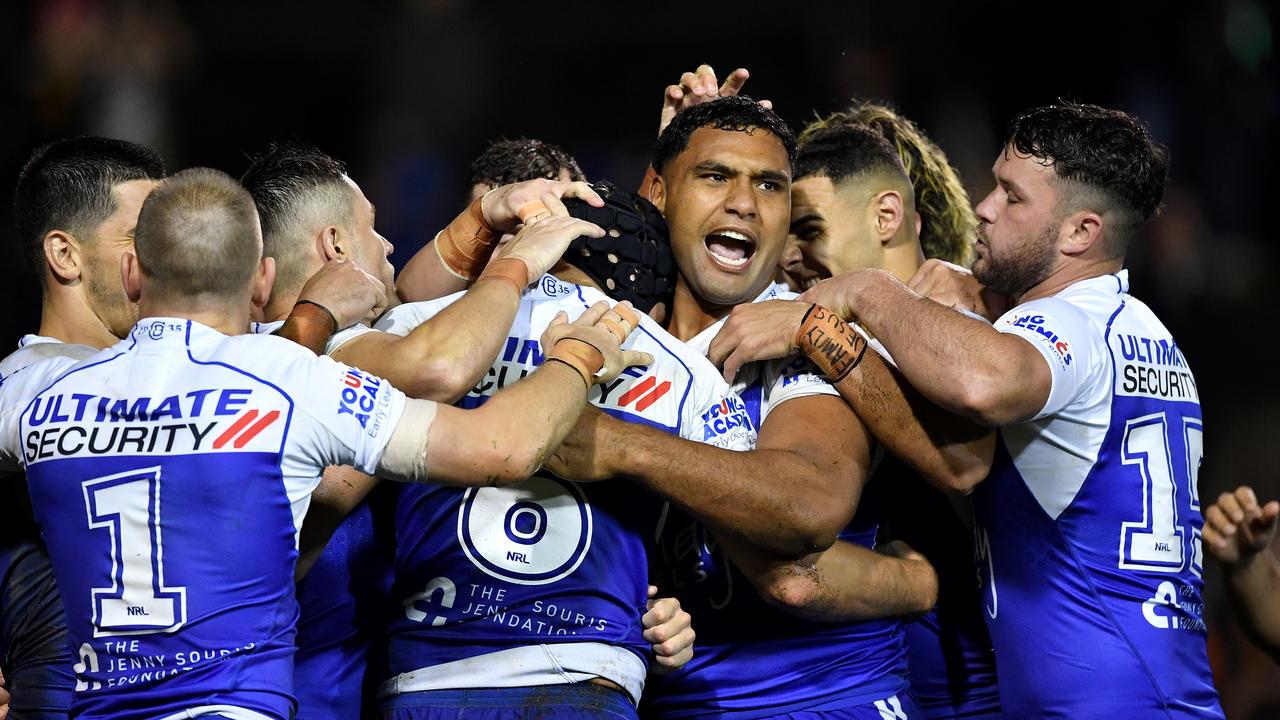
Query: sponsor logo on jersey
<point x="361" y="398"/>
<point x="725" y="419"/>
<point x="801" y="370"/>
<point x="552" y="287"/>
<point x="69" y="424"/>
<point x="644" y="393"/>
<point x="1037" y="324"/>
<point x="1153" y="367"/>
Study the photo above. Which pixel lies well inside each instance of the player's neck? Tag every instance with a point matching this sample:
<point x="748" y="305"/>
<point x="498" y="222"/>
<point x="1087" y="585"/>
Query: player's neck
<point x="903" y="260"/>
<point x="690" y="314"/>
<point x="1068" y="274"/>
<point x="67" y="317"/>
<point x="280" y="304"/>
<point x="228" y="318"/>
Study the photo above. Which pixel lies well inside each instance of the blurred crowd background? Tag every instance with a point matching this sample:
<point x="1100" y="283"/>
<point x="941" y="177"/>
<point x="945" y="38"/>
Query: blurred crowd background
<point x="407" y="92"/>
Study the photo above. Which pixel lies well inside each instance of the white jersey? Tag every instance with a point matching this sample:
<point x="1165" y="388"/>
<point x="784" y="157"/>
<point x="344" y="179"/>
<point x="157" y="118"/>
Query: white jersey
<point x="193" y="456"/>
<point x="1090" y="519"/>
<point x="335" y="341"/>
<point x="36" y="348"/>
<point x="767" y="384"/>
<point x="544" y="583"/>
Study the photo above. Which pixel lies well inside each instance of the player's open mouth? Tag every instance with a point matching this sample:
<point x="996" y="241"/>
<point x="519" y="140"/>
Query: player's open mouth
<point x="730" y="249"/>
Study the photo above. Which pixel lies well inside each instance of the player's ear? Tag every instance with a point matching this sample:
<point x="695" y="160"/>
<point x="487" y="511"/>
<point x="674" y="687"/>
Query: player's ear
<point x="658" y="193"/>
<point x="131" y="276"/>
<point x="889" y="213"/>
<point x="263" y="280"/>
<point x="1083" y="230"/>
<point x="62" y="255"/>
<point x="332" y="245"/>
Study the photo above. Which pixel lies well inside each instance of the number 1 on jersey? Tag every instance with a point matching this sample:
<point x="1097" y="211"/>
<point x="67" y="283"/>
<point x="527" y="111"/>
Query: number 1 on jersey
<point x="127" y="506"/>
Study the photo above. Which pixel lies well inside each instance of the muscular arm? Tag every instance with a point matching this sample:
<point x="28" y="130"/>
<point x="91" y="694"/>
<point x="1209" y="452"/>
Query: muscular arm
<point x="949" y="451"/>
<point x="446" y="356"/>
<point x="844" y="583"/>
<point x="960" y="363"/>
<point x="340" y="490"/>
<point x="505" y="440"/>
<point x="788" y="497"/>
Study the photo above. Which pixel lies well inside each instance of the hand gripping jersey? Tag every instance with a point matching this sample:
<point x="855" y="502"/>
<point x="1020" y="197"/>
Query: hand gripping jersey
<point x="1089" y="524"/>
<point x="169" y="475"/>
<point x="545" y="582"/>
<point x="753" y="660"/>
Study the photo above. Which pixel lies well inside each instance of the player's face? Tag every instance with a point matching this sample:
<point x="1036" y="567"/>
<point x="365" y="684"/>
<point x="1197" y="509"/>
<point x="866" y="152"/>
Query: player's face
<point x="830" y="230"/>
<point x="100" y="270"/>
<point x="727" y="201"/>
<point x="369" y="249"/>
<point x="1018" y="225"/>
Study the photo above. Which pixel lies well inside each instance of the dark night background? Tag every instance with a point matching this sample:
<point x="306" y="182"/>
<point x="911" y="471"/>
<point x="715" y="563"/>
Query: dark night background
<point x="408" y="92"/>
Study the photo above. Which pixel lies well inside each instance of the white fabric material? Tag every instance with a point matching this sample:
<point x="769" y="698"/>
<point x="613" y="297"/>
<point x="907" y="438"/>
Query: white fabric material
<point x="335" y="415"/>
<point x="1055" y="451"/>
<point x="336" y="340"/>
<point x="529" y="665"/>
<point x="783" y="379"/>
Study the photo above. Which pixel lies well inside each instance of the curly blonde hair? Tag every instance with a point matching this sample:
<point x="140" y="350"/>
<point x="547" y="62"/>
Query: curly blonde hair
<point x="947" y="221"/>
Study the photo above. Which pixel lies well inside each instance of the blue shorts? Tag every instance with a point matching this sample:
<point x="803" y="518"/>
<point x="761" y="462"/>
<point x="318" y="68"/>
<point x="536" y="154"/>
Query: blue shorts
<point x="580" y="701"/>
<point x="895" y="707"/>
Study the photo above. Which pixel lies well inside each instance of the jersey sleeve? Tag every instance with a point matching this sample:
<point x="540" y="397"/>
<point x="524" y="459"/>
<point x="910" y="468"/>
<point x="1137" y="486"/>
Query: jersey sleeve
<point x="349" y="414"/>
<point x="1065" y="338"/>
<point x="790" y="378"/>
<point x="715" y="415"/>
<point x="17" y="390"/>
<point x="402" y="319"/>
<point x="344" y="336"/>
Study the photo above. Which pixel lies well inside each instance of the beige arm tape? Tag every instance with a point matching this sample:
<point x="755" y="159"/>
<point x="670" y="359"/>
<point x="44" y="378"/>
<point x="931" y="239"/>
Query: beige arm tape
<point x="405" y="457"/>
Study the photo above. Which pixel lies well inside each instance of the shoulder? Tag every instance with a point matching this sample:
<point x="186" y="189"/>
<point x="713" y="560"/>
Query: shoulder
<point x="403" y="318"/>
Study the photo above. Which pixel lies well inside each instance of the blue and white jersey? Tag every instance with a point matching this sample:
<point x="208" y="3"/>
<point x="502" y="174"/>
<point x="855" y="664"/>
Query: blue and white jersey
<point x="753" y="660"/>
<point x="341" y="599"/>
<point x="169" y="475"/>
<point x="545" y="582"/>
<point x="1089" y="524"/>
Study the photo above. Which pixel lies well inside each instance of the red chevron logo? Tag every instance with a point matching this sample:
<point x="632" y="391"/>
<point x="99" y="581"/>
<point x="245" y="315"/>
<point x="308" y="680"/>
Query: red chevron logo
<point x="248" y="434"/>
<point x="647" y="386"/>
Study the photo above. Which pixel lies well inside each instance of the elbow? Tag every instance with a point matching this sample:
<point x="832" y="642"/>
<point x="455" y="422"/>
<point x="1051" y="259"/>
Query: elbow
<point x="511" y="461"/>
<point x="438" y="378"/>
<point x="961" y="480"/>
<point x="981" y="400"/>
<point x="793" y="591"/>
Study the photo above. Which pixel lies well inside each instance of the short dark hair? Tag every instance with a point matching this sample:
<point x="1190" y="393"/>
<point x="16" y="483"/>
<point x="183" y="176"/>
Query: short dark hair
<point x="511" y="161"/>
<point x="844" y="151"/>
<point x="290" y="182"/>
<point x="67" y="185"/>
<point x="197" y="235"/>
<point x="947" y="220"/>
<point x="1109" y="154"/>
<point x="737" y="112"/>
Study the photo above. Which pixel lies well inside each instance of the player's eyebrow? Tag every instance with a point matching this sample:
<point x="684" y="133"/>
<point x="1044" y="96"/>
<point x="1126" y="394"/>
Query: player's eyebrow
<point x="772" y="175"/>
<point x="716" y="167"/>
<point x="806" y="218"/>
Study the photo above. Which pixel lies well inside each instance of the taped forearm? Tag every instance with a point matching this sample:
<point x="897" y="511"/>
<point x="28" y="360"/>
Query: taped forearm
<point x="405" y="457"/>
<point x="310" y="325"/>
